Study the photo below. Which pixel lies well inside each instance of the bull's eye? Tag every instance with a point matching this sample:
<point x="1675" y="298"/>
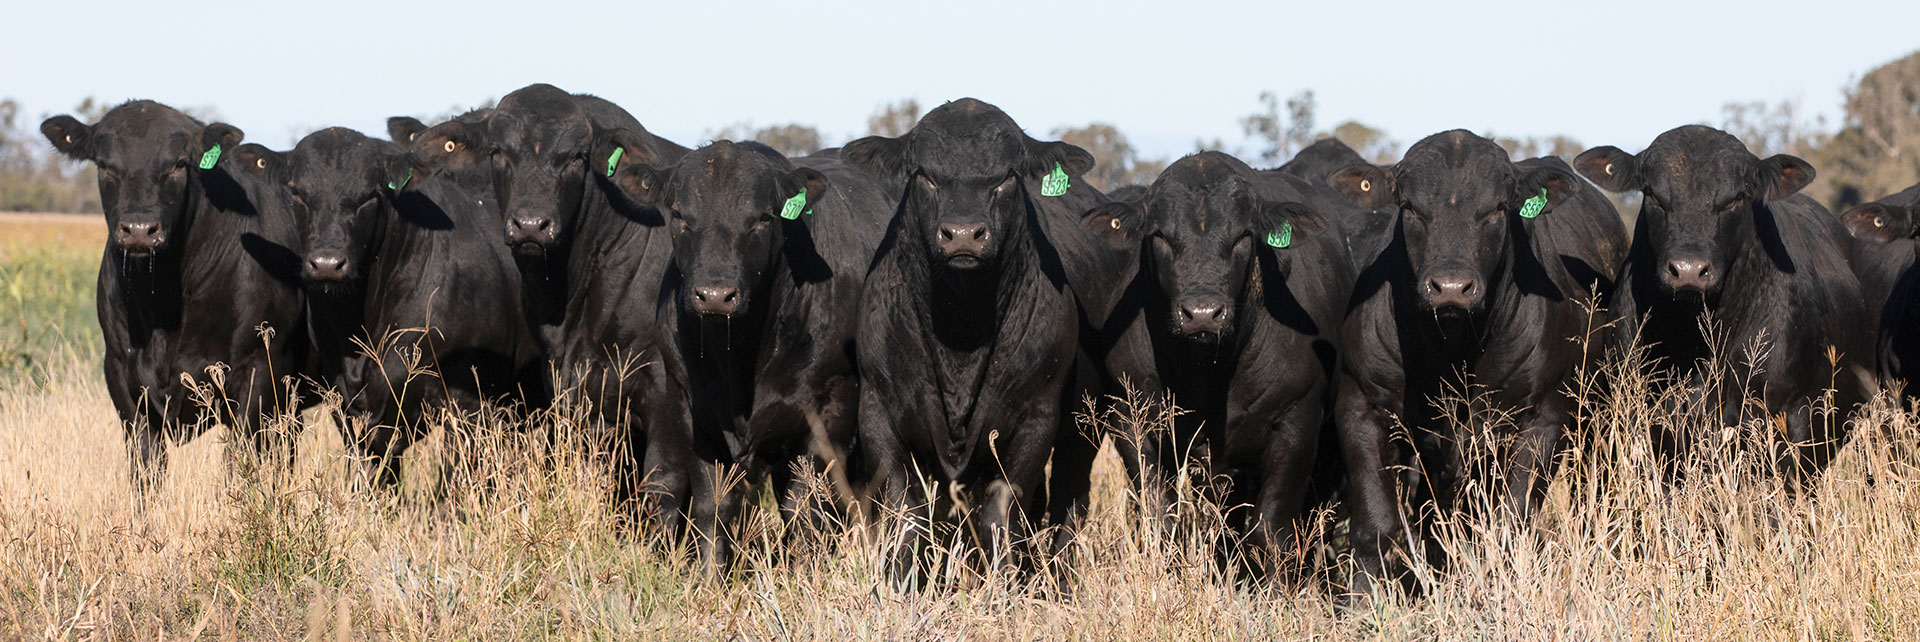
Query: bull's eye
<point x="449" y="146"/>
<point x="1608" y="169"/>
<point x="926" y="183"/>
<point x="1113" y="223"/>
<point x="1005" y="187"/>
<point x="260" y="163"/>
<point x="1366" y="185"/>
<point x="1879" y="222"/>
<point x="759" y="226"/>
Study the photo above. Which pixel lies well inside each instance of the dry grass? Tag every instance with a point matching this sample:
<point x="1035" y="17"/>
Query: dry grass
<point x="520" y="546"/>
<point x="82" y="233"/>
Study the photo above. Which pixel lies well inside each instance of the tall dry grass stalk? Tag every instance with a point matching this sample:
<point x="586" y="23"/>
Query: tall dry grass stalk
<point x="517" y="542"/>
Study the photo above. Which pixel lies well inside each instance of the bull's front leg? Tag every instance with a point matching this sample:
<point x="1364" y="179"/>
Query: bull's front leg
<point x="1291" y="450"/>
<point x="1376" y="512"/>
<point x="1536" y="456"/>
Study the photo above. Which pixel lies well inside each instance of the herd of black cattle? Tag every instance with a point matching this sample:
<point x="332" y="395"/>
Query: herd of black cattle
<point x="939" y="303"/>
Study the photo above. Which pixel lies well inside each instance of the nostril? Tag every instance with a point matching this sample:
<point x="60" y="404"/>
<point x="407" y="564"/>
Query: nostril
<point x="327" y="264"/>
<point x="731" y="296"/>
<point x="1468" y="288"/>
<point x="979" y="233"/>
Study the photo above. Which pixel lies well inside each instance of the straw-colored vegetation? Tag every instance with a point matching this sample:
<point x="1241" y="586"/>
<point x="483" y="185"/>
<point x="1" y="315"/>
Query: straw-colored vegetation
<point x="518" y="544"/>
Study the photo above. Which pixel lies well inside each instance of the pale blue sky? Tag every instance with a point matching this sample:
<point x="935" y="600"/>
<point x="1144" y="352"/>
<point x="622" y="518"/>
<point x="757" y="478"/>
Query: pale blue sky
<point x="1165" y="73"/>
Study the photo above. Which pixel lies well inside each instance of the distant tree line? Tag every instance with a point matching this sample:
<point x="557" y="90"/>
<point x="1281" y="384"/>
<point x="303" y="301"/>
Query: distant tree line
<point x="33" y="178"/>
<point x="1874" y="150"/>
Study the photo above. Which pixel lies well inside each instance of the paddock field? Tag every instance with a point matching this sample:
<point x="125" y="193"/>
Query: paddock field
<point x="521" y="545"/>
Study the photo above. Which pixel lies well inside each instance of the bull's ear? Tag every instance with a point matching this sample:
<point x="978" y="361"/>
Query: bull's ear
<point x="1878" y="222"/>
<point x="71" y="137"/>
<point x="1135" y="193"/>
<point x="878" y="154"/>
<point x="216" y="140"/>
<point x="1367" y="185"/>
<point x="405" y="171"/>
<point x="615" y="148"/>
<point x="1613" y="170"/>
<point x="1780" y="176"/>
<point x="1119" y="222"/>
<point x="447" y="141"/>
<point x="1556" y="184"/>
<point x="642" y="183"/>
<point x="403" y="129"/>
<point x="259" y="162"/>
<point x="1285" y="224"/>
<point x="802" y="182"/>
<point x="1070" y="158"/>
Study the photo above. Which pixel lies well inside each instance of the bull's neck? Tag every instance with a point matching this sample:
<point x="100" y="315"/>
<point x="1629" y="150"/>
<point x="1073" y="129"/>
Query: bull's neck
<point x="606" y="237"/>
<point x="966" y="307"/>
<point x="396" y="242"/>
<point x="1751" y="269"/>
<point x="333" y="319"/>
<point x="1526" y="246"/>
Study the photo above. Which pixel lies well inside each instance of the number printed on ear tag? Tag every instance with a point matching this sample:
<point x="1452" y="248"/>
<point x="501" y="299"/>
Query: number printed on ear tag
<point x="791" y="210"/>
<point x="1283" y="237"/>
<point x="1535" y="205"/>
<point x="212" y="156"/>
<point x="1055" y="183"/>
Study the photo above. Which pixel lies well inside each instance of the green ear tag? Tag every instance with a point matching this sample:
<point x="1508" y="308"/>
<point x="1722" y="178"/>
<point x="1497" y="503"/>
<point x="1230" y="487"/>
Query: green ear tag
<point x="212" y="156"/>
<point x="1535" y="205"/>
<point x="614" y="160"/>
<point x="1054" y="184"/>
<point x="1283" y="237"/>
<point x="403" y="181"/>
<point x="791" y="210"/>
